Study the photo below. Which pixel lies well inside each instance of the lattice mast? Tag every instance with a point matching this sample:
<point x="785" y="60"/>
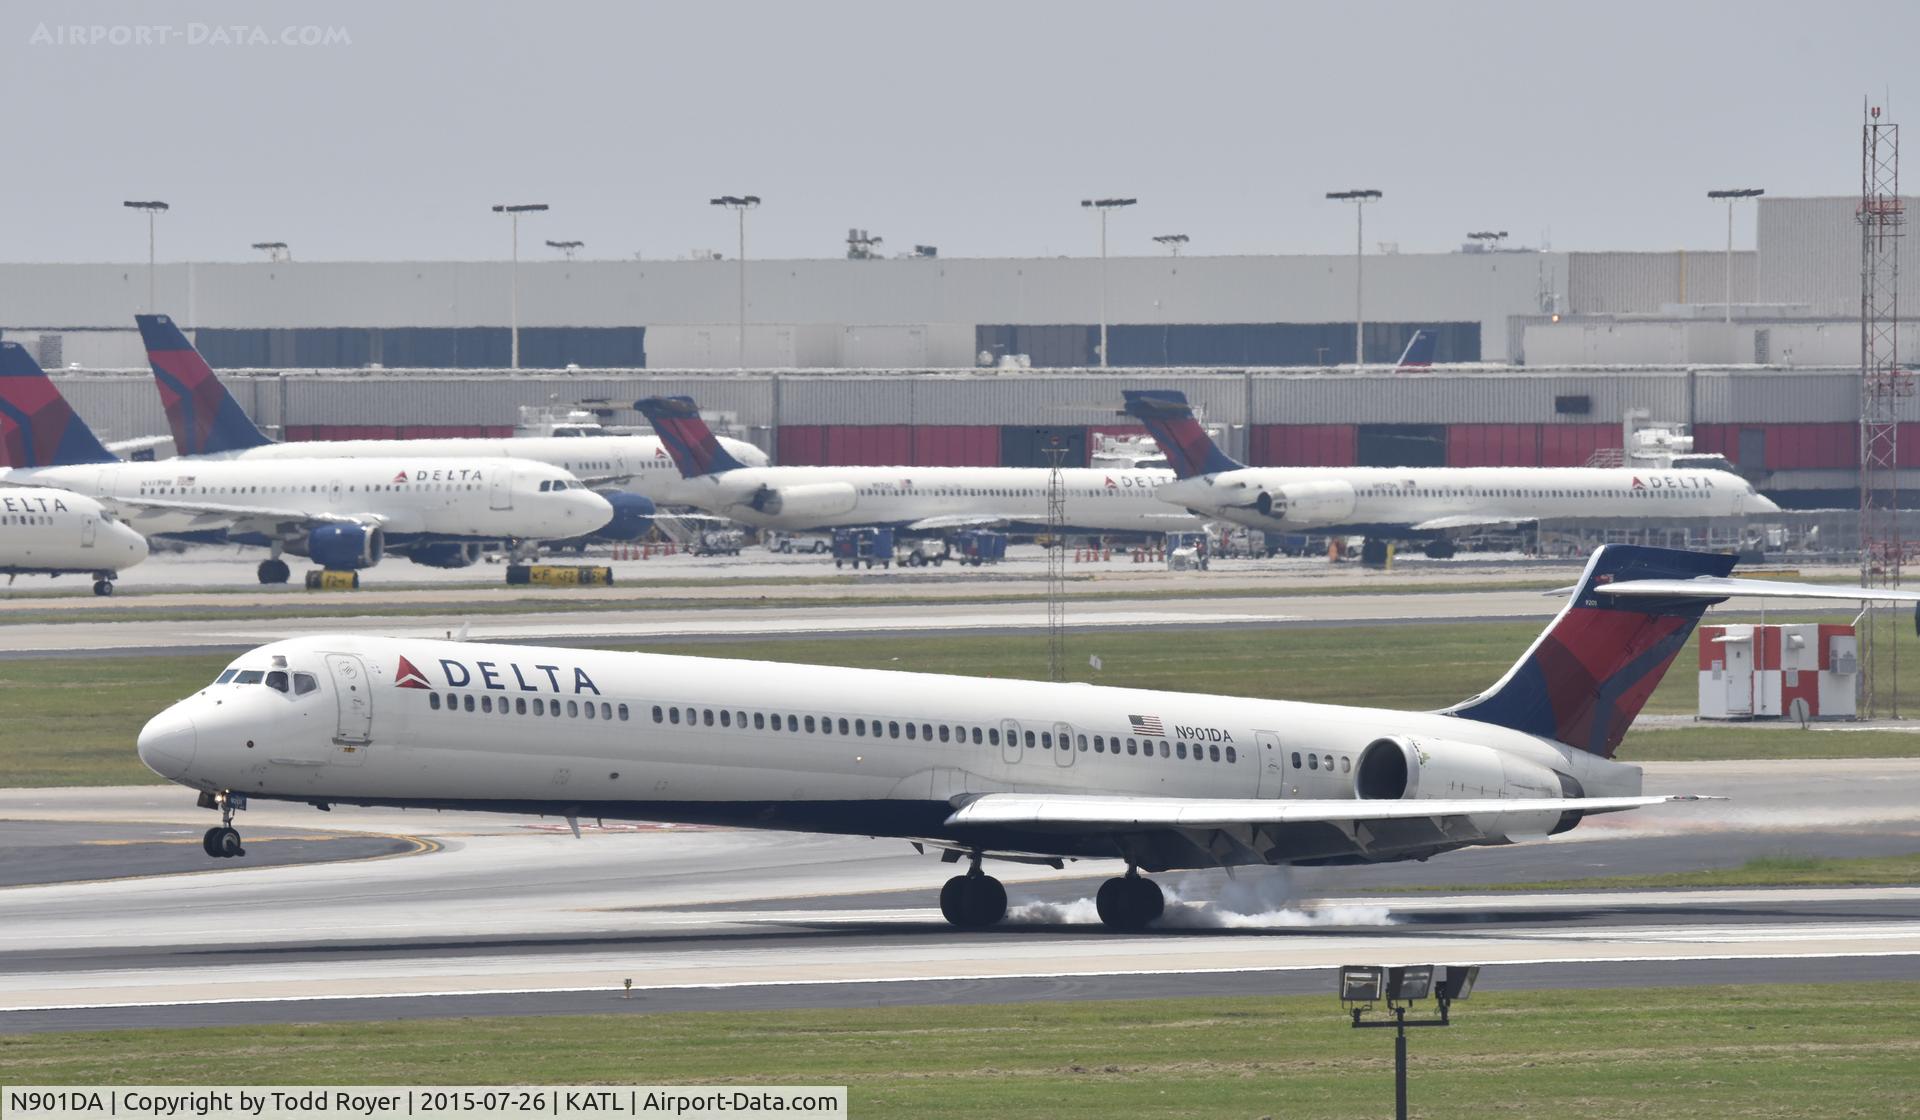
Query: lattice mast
<point x="1883" y="386"/>
<point x="1056" y="561"/>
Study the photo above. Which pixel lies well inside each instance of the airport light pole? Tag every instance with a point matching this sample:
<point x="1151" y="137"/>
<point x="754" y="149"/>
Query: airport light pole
<point x="567" y="247"/>
<point x="1732" y="196"/>
<point x="153" y="209"/>
<point x="1489" y="239"/>
<point x="514" y="211"/>
<point x="1104" y="205"/>
<point x="275" y="250"/>
<point x="1361" y="986"/>
<point x="1172" y="242"/>
<point x="740" y="204"/>
<point x="1359" y="198"/>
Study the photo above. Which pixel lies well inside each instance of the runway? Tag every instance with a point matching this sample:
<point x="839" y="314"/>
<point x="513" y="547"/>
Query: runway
<point x="512" y="916"/>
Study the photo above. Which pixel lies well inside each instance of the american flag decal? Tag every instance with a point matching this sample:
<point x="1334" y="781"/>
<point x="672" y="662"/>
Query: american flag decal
<point x="1147" y="725"/>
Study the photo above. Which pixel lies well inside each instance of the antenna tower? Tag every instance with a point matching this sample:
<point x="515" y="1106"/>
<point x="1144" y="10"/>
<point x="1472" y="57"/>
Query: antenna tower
<point x="1883" y="386"/>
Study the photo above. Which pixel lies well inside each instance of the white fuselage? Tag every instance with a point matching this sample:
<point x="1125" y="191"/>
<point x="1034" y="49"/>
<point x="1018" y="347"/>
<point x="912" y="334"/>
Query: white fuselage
<point x="811" y="498"/>
<point x="44" y="530"/>
<point x="638" y="463"/>
<point x="1458" y="497"/>
<point x="453" y="724"/>
<point x="480" y="499"/>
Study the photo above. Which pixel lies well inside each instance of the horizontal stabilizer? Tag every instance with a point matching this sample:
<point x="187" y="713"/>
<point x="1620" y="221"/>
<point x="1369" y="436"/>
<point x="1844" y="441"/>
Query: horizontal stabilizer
<point x="1066" y="810"/>
<point x="1726" y="587"/>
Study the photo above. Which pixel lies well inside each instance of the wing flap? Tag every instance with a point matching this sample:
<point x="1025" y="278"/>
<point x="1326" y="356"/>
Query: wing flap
<point x="1094" y="810"/>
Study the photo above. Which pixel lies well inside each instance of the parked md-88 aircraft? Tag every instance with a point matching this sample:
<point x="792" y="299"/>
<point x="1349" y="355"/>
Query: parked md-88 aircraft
<point x="342" y="513"/>
<point x="928" y="499"/>
<point x="1419" y="503"/>
<point x="633" y="472"/>
<point x="53" y="532"/>
<point x="982" y="768"/>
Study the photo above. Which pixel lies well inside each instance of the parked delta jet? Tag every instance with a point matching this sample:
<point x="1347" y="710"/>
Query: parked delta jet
<point x="928" y="499"/>
<point x="52" y="532"/>
<point x="1414" y="503"/>
<point x="982" y="768"/>
<point x="631" y="472"/>
<point x="343" y="513"/>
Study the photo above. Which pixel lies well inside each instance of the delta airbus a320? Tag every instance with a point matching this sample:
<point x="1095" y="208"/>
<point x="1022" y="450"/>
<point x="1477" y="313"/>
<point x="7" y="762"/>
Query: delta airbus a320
<point x="981" y="768"/>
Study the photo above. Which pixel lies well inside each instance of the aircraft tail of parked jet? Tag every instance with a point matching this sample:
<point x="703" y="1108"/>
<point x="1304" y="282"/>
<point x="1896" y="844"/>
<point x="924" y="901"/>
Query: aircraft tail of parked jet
<point x="1420" y="351"/>
<point x="694" y="447"/>
<point x="37" y="426"/>
<point x="1190" y="451"/>
<point x="1588" y="674"/>
<point x="205" y="418"/>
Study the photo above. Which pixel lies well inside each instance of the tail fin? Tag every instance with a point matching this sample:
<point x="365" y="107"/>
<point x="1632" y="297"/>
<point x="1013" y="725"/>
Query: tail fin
<point x="37" y="426"/>
<point x="1420" y="350"/>
<point x="1169" y="420"/>
<point x="1590" y="672"/>
<point x="204" y="417"/>
<point x="691" y="443"/>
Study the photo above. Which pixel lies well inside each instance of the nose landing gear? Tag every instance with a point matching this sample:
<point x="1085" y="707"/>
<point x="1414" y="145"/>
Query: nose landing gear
<point x="973" y="900"/>
<point x="222" y="841"/>
<point x="1129" y="903"/>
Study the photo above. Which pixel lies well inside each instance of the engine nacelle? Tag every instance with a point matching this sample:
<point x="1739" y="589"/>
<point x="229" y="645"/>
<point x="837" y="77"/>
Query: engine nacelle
<point x="446" y="554"/>
<point x="632" y="517"/>
<point x="807" y="502"/>
<point x="346" y="547"/>
<point x="1403" y="767"/>
<point x="1308" y="503"/>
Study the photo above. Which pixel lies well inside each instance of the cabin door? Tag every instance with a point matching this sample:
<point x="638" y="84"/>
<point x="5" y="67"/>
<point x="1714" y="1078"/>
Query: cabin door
<point x="1009" y="741"/>
<point x="1063" y="743"/>
<point x="353" y="697"/>
<point x="89" y="527"/>
<point x="1272" y="762"/>
<point x="500" y="491"/>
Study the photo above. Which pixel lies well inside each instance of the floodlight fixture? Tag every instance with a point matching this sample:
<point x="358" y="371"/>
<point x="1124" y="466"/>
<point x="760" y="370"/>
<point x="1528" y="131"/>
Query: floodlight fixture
<point x="1173" y="241"/>
<point x="1362" y="983"/>
<point x="1455" y="982"/>
<point x="567" y="247"/>
<point x="1409" y="983"/>
<point x="275" y="250"/>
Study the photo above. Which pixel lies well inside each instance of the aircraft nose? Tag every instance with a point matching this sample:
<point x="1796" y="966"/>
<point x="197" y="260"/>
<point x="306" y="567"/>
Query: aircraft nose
<point x="1760" y="503"/>
<point x="593" y="510"/>
<point x="135" y="545"/>
<point x="167" y="743"/>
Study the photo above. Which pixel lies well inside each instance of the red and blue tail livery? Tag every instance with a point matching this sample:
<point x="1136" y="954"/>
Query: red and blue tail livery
<point x="205" y="418"/>
<point x="692" y="444"/>
<point x="37" y="426"/>
<point x="1589" y="674"/>
<point x="1420" y="350"/>
<point x="1170" y="421"/>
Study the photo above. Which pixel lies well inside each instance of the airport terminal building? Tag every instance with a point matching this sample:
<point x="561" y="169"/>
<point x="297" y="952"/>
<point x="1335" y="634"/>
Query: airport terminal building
<point x="930" y="360"/>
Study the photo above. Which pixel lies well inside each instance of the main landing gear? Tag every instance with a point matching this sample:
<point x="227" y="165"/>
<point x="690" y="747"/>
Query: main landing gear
<point x="274" y="571"/>
<point x="1129" y="903"/>
<point x="222" y="841"/>
<point x="973" y="900"/>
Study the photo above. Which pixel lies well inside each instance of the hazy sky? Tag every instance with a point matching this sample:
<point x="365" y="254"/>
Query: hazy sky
<point x="973" y="126"/>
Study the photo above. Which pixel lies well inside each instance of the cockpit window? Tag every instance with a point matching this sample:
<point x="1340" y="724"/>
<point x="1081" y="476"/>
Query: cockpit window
<point x="250" y="676"/>
<point x="545" y="486"/>
<point x="226" y="676"/>
<point x="304" y="683"/>
<point x="277" y="680"/>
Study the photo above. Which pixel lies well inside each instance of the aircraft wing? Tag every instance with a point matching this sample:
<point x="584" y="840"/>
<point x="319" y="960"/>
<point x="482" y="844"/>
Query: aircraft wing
<point x="958" y="521"/>
<point x="1468" y="521"/>
<point x="1070" y="811"/>
<point x="1726" y="587"/>
<point x="244" y="513"/>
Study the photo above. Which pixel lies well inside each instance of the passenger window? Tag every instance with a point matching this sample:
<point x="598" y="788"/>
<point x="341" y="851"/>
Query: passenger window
<point x="776" y="721"/>
<point x="1230" y="757"/>
<point x="486" y="704"/>
<point x="1083" y="742"/>
<point x="520" y="706"/>
<point x="433" y="700"/>
<point x="793" y="723"/>
<point x="573" y="708"/>
<point x="553" y="710"/>
<point x="1346" y="764"/>
<point x="943" y="732"/>
<point x="249" y="676"/>
<point x="223" y="678"/>
<point x="589" y="707"/>
<point x="1179" y="750"/>
<point x="1100" y="744"/>
<point x="809" y="722"/>
<point x="708" y="717"/>
<point x="304" y="683"/>
<point x="843" y="727"/>
<point x="469" y="702"/>
<point x="1029" y="740"/>
<point x="1213" y="753"/>
<point x="993" y="736"/>
<point x="726" y="719"/>
<point x="1313" y="762"/>
<point x="1329" y="762"/>
<point x="893" y="729"/>
<point x="909" y="730"/>
<point x="1130" y="749"/>
<point x="673" y="714"/>
<point x="1046" y="741"/>
<point x="859" y="727"/>
<point x="540" y="709"/>
<point x="976" y="736"/>
<point x="1164" y="748"/>
<point x="759" y="721"/>
<point x="658" y="715"/>
<point x="277" y="680"/>
<point x="623" y="713"/>
<point x="1296" y="760"/>
<point x="740" y="719"/>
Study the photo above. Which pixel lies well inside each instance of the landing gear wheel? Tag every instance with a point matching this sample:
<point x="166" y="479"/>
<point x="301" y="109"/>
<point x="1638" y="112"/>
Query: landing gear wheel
<point x="1129" y="903"/>
<point x="973" y="901"/>
<point x="222" y="842"/>
<point x="274" y="571"/>
<point x="1439" y="550"/>
<point x="103" y="587"/>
